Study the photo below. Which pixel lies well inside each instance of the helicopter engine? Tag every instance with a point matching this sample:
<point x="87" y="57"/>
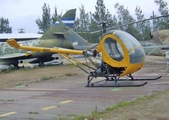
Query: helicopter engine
<point x="107" y="69"/>
<point x="104" y="68"/>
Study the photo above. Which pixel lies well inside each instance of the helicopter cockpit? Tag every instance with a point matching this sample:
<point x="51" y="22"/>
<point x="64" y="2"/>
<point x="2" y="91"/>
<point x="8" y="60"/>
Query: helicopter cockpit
<point x="121" y="45"/>
<point x="135" y="50"/>
<point x="121" y="52"/>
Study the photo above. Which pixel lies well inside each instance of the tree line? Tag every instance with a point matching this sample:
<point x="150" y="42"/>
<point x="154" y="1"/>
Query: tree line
<point x="88" y="22"/>
<point x="4" y="26"/>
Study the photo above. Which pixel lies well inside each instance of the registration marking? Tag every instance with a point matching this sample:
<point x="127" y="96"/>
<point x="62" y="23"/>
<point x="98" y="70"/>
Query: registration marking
<point x="67" y="101"/>
<point x="7" y="114"/>
<point x="50" y="107"/>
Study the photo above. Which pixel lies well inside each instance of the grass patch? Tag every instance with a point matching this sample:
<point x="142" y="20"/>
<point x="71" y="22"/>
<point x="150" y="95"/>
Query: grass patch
<point x="46" y="78"/>
<point x="95" y="112"/>
<point x="120" y="104"/>
<point x="29" y="118"/>
<point x="33" y="113"/>
<point x="75" y="117"/>
<point x="11" y="100"/>
<point x="69" y="74"/>
<point x="10" y="69"/>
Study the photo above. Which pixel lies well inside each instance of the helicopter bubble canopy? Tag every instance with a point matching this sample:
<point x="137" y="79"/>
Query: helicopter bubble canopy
<point x="120" y="49"/>
<point x="135" y="50"/>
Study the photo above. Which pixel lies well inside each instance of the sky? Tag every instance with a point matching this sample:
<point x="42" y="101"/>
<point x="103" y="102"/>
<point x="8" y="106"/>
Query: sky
<point x="23" y="13"/>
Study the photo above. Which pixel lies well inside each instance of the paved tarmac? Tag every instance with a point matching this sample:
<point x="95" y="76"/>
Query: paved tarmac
<point x="51" y="99"/>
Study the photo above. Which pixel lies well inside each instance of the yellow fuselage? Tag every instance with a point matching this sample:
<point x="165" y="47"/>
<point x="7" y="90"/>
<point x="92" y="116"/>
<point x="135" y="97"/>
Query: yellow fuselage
<point x="130" y="57"/>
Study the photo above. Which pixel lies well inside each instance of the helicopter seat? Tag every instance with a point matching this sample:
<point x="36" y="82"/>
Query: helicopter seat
<point x="113" y="51"/>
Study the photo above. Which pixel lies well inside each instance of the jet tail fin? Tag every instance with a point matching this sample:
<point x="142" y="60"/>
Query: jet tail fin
<point x="68" y="19"/>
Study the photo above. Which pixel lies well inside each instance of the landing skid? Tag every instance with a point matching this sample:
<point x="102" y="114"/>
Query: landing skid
<point x="138" y="85"/>
<point x="111" y="82"/>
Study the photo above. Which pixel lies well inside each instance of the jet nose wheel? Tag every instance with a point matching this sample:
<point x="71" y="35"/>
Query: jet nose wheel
<point x="41" y="64"/>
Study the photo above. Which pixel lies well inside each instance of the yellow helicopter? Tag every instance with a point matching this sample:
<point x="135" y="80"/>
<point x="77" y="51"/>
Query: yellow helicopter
<point x="119" y="54"/>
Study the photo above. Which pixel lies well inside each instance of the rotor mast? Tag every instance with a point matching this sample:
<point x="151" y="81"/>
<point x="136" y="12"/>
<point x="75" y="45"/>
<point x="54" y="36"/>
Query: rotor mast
<point x="103" y="24"/>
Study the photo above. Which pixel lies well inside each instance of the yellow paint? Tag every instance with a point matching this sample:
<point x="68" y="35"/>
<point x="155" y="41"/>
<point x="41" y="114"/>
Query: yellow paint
<point x="125" y="62"/>
<point x="131" y="68"/>
<point x="68" y="101"/>
<point x="14" y="44"/>
<point x="107" y="58"/>
<point x="6" y="114"/>
<point x="50" y="107"/>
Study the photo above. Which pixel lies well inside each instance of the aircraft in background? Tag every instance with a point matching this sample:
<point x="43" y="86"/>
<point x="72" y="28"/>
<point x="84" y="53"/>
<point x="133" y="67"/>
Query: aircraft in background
<point x="53" y="37"/>
<point x="19" y="37"/>
<point x="159" y="43"/>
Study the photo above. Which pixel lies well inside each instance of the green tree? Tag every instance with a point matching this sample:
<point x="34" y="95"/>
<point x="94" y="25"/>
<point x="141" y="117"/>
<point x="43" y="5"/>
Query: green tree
<point x="163" y="9"/>
<point x="45" y="22"/>
<point x="100" y="15"/>
<point x="76" y="26"/>
<point x="143" y="28"/>
<point x="83" y="22"/>
<point x="53" y="19"/>
<point x="124" y="16"/>
<point x="111" y="20"/>
<point x="94" y="27"/>
<point x="4" y="26"/>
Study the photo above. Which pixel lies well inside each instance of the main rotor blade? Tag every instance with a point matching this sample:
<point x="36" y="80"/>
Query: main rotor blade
<point x="131" y="23"/>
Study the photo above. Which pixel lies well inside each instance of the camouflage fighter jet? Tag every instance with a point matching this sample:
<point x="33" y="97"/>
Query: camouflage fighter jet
<point x="52" y="38"/>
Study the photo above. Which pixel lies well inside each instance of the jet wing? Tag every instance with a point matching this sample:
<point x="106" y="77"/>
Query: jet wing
<point x="12" y="56"/>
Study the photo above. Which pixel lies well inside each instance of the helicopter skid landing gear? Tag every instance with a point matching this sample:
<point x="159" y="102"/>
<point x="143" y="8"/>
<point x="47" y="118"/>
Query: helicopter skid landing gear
<point x="113" y="81"/>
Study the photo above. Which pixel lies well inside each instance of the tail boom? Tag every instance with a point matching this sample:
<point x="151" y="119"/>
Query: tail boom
<point x="14" y="44"/>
